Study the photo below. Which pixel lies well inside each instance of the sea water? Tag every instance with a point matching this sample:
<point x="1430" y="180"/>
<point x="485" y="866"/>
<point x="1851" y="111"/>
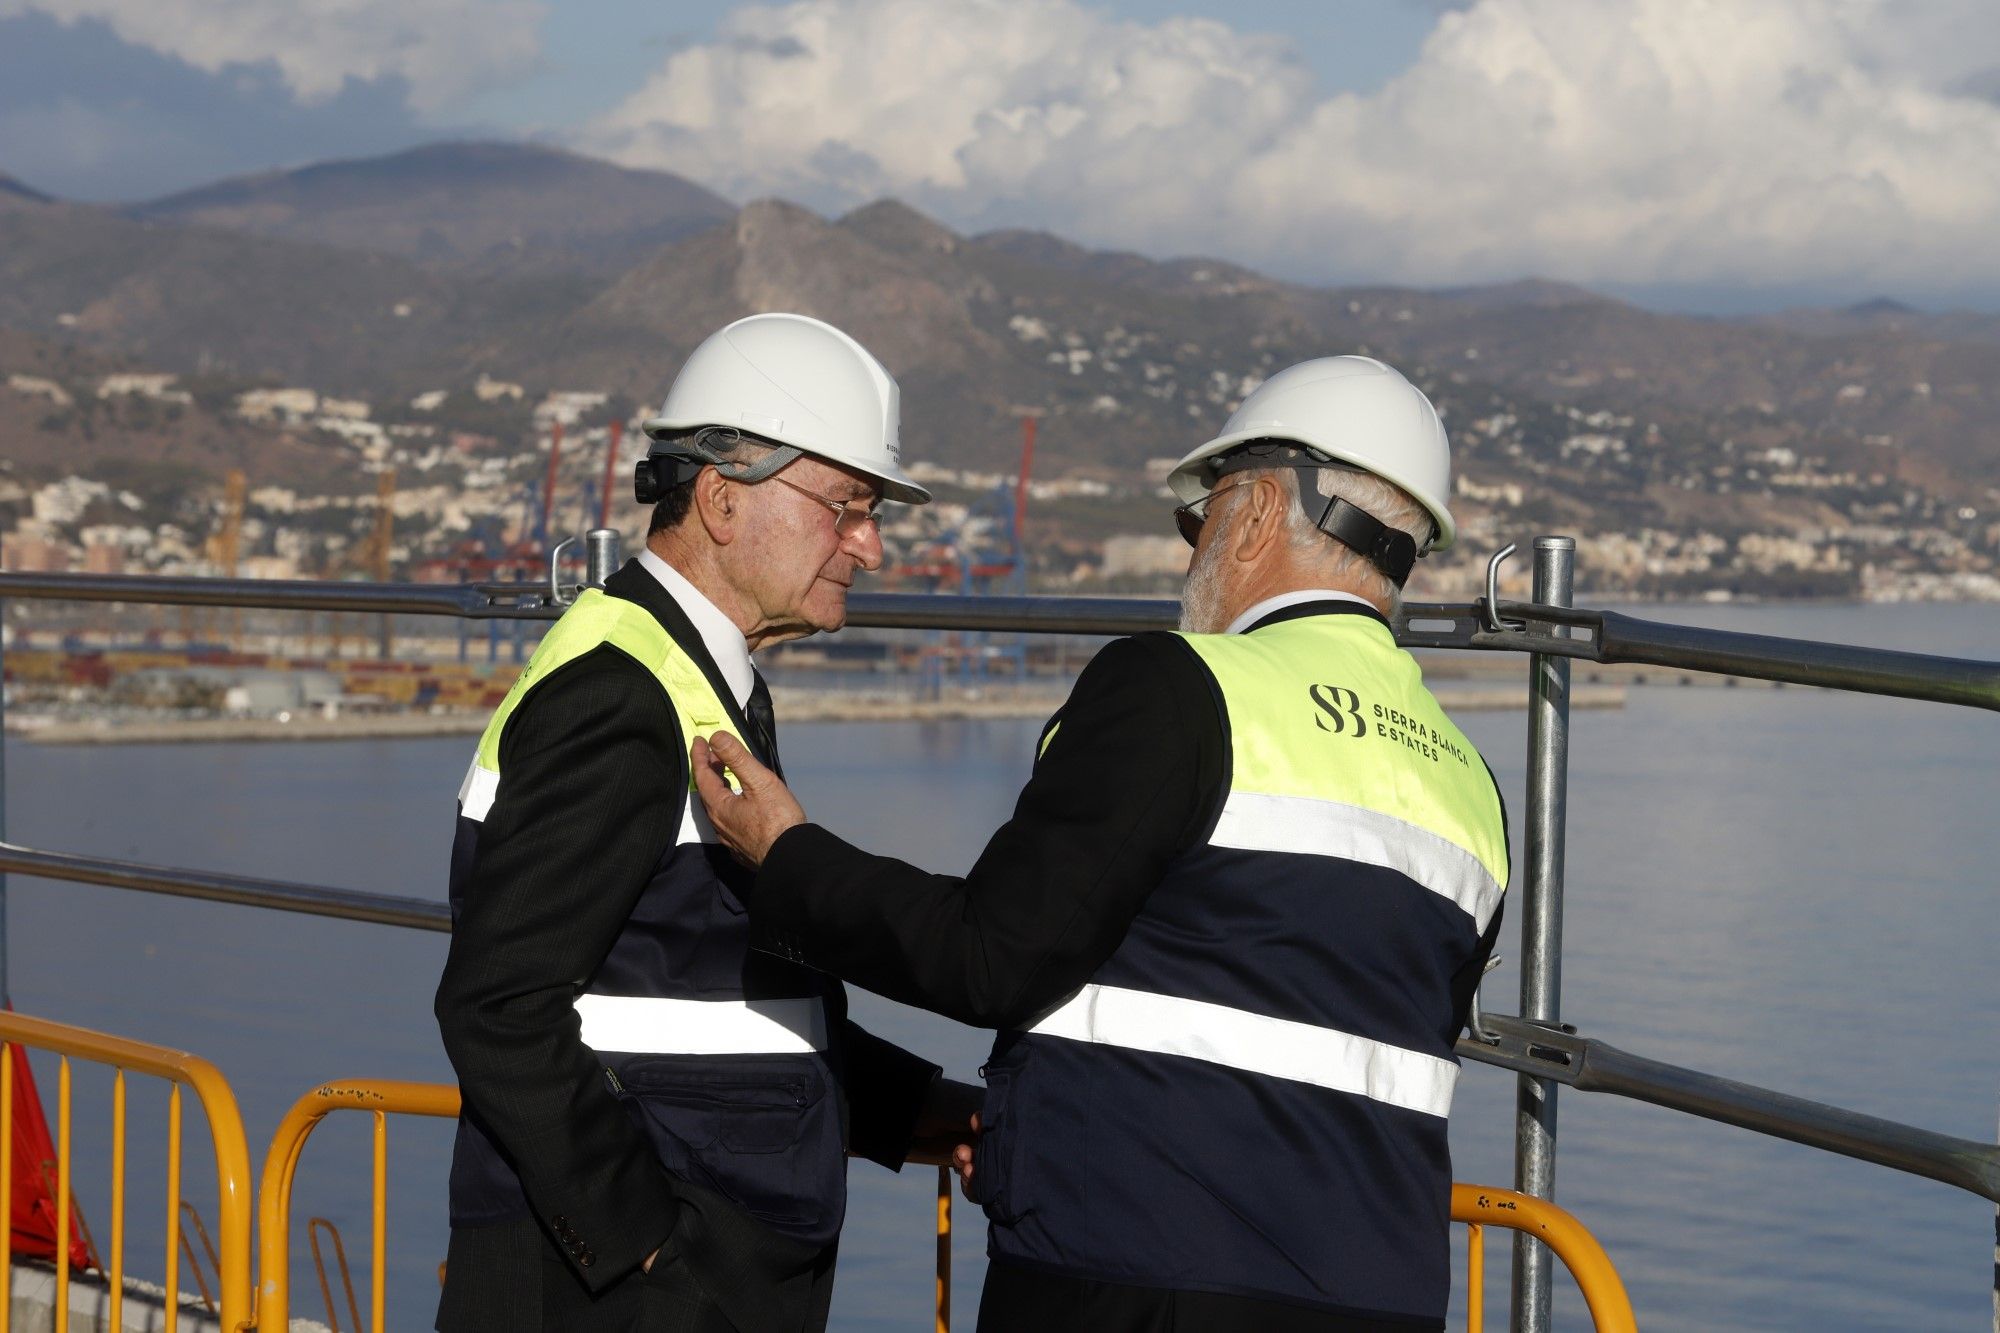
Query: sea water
<point x="1791" y="888"/>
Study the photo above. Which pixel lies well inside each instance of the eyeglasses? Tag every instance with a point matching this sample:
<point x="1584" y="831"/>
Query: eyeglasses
<point x="847" y="520"/>
<point x="1189" y="517"/>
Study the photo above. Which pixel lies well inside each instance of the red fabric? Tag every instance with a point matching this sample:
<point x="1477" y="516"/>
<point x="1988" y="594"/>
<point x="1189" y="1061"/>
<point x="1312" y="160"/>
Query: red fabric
<point x="33" y="1212"/>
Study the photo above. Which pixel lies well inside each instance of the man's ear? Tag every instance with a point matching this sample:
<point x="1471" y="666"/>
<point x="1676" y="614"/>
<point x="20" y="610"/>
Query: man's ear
<point x="718" y="503"/>
<point x="1262" y="520"/>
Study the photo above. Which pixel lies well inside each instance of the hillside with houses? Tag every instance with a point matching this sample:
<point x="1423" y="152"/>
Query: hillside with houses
<point x="254" y="327"/>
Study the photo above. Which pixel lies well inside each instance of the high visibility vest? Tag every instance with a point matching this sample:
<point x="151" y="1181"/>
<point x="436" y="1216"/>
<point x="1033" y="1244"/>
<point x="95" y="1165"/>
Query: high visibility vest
<point x="722" y="1054"/>
<point x="1250" y="1096"/>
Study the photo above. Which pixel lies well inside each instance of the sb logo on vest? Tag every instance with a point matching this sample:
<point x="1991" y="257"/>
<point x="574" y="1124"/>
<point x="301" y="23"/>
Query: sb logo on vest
<point x="1339" y="710"/>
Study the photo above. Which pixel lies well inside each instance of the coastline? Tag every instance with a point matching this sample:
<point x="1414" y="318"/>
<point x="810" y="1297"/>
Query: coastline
<point x="793" y="706"/>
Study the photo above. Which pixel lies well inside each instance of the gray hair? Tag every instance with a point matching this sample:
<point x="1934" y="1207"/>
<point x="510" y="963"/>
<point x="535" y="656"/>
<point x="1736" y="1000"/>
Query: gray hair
<point x="1383" y="501"/>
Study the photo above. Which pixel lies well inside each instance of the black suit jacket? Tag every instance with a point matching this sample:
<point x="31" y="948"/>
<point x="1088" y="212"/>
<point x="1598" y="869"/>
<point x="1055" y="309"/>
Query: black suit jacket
<point x="595" y="769"/>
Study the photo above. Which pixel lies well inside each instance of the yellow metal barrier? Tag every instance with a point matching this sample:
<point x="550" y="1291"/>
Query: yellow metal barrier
<point x="1478" y="1206"/>
<point x="1481" y="1206"/>
<point x="938" y="1154"/>
<point x="232" y="1162"/>
<point x="943" y="1319"/>
<point x="383" y="1098"/>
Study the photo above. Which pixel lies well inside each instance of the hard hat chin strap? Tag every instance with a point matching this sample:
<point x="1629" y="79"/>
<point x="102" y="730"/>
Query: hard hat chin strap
<point x="691" y="453"/>
<point x="677" y="461"/>
<point x="1390" y="550"/>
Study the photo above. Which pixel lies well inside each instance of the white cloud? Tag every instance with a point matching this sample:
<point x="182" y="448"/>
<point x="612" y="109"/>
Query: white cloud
<point x="1656" y="141"/>
<point x="441" y="49"/>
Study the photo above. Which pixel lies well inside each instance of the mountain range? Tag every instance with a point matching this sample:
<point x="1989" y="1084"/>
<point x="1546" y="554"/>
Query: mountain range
<point x="484" y="207"/>
<point x="386" y="277"/>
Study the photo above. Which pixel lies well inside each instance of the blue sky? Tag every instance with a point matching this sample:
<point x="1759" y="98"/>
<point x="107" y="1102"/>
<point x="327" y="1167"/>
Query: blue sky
<point x="1707" y="153"/>
<point x="89" y="110"/>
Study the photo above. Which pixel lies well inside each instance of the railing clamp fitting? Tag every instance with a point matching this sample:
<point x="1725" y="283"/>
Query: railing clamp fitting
<point x="1474" y="1027"/>
<point x="556" y="594"/>
<point x="1489" y="608"/>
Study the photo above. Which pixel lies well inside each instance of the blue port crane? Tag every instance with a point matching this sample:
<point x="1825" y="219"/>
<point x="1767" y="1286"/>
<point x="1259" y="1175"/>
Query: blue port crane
<point x="983" y="553"/>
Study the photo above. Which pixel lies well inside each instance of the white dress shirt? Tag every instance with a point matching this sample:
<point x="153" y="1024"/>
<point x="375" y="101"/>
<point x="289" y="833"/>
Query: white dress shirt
<point x="1285" y="599"/>
<point x="725" y="642"/>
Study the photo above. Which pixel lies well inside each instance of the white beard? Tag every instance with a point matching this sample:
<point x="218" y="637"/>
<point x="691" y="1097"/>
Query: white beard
<point x="1202" y="610"/>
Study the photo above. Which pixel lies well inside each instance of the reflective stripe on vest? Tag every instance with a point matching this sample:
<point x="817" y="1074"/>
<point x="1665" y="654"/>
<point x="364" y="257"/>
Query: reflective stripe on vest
<point x="476" y="793"/>
<point x="1254" y="1043"/>
<point x="649" y="1025"/>
<point x="1309" y="827"/>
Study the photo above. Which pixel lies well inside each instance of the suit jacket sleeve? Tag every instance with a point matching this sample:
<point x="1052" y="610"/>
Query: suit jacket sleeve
<point x="1128" y="775"/>
<point x="886" y="1087"/>
<point x="590" y="766"/>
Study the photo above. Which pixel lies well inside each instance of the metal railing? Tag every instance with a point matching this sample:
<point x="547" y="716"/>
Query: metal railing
<point x="233" y="1184"/>
<point x="1558" y="1054"/>
<point x="1605" y="637"/>
<point x="382" y="1098"/>
<point x="1544" y="1052"/>
<point x="313" y="900"/>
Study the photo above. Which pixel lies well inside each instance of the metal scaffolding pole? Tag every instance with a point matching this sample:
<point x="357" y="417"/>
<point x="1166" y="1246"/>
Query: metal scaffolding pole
<point x="1541" y="925"/>
<point x="600" y="547"/>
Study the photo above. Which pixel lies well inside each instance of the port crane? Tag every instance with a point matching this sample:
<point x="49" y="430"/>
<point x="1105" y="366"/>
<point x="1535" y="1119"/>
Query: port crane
<point x="984" y="553"/>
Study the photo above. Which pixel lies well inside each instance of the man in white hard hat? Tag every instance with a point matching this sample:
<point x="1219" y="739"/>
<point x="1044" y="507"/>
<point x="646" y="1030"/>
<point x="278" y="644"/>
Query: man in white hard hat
<point x="656" y="1117"/>
<point x="1231" y="932"/>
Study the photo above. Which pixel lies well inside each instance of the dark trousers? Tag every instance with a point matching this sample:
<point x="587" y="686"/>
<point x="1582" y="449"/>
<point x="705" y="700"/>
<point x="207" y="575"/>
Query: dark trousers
<point x="1024" y="1300"/>
<point x="509" y="1279"/>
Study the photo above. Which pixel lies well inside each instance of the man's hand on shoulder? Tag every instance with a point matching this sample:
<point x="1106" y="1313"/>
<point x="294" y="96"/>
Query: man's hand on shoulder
<point x="750" y="819"/>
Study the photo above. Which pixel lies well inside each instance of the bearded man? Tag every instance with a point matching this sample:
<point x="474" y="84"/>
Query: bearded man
<point x="1233" y="929"/>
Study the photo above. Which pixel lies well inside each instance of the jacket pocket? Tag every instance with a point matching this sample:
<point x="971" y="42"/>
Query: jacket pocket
<point x="738" y="1109"/>
<point x="762" y="1133"/>
<point x="995" y="1156"/>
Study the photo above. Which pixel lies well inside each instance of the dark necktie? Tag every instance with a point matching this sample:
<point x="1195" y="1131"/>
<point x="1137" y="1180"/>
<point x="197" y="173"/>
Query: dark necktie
<point x="763" y="724"/>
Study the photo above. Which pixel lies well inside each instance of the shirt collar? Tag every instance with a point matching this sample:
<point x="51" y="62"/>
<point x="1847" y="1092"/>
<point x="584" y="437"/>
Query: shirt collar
<point x="1296" y="597"/>
<point x="725" y="642"/>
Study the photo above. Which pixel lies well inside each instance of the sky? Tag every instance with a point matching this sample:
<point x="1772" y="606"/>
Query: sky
<point x="1699" y="154"/>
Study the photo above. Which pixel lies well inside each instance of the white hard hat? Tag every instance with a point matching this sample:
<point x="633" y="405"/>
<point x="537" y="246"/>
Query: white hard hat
<point x="1353" y="409"/>
<point x="795" y="381"/>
